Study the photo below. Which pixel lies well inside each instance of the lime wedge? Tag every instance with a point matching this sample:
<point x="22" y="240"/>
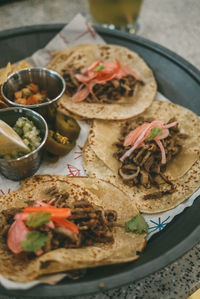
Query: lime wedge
<point x="10" y="141"/>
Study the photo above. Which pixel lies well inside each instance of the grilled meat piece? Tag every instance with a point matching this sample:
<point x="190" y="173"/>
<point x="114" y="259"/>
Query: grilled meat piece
<point x="107" y="92"/>
<point x="94" y="224"/>
<point x="143" y="166"/>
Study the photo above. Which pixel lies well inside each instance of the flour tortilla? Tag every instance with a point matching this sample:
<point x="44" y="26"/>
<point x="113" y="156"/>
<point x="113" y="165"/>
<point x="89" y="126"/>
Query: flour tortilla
<point x="124" y="249"/>
<point x="183" y="170"/>
<point x="84" y="55"/>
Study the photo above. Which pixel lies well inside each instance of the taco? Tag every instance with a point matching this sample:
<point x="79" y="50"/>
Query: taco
<point x="104" y="81"/>
<point x="54" y="224"/>
<point x="154" y="157"/>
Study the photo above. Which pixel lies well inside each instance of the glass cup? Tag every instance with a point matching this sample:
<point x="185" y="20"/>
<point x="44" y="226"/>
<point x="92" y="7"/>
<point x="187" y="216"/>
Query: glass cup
<point x="116" y="14"/>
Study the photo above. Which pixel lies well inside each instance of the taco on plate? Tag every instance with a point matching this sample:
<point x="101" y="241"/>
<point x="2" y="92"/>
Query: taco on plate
<point x="54" y="223"/>
<point x="154" y="157"/>
<point x="104" y="81"/>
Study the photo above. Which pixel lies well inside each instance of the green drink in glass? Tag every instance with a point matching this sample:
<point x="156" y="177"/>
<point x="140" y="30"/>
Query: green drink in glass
<point x="116" y="14"/>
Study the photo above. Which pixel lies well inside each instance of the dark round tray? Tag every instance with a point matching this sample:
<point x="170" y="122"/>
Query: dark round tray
<point x="179" y="81"/>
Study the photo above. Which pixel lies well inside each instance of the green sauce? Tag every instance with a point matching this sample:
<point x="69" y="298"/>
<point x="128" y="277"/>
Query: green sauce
<point x="30" y="135"/>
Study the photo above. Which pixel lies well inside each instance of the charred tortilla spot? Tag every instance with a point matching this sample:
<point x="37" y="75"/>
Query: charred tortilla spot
<point x="45" y="264"/>
<point x="104" y="47"/>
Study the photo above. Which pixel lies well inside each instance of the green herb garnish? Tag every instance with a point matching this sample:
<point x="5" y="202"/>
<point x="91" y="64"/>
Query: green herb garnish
<point x="137" y="224"/>
<point x="34" y="241"/>
<point x="37" y="219"/>
<point x="154" y="132"/>
<point x="99" y="68"/>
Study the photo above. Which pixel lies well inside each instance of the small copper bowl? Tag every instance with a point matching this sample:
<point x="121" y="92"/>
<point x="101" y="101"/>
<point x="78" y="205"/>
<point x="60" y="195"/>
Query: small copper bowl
<point x="20" y="168"/>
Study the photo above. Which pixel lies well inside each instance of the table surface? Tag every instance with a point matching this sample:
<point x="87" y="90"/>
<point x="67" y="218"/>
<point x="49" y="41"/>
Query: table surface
<point x="176" y="26"/>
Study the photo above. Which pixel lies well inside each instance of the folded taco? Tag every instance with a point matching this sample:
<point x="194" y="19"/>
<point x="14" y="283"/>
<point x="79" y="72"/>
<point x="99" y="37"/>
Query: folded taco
<point x="154" y="157"/>
<point x="54" y="224"/>
<point x="104" y="81"/>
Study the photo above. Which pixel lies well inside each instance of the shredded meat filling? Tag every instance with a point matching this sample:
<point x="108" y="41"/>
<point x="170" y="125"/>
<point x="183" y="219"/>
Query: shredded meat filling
<point x="72" y="83"/>
<point x="143" y="166"/>
<point x="108" y="92"/>
<point x="94" y="223"/>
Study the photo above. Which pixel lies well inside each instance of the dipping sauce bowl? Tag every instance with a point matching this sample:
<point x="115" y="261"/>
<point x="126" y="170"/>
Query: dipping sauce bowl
<point x="46" y="79"/>
<point x="25" y="166"/>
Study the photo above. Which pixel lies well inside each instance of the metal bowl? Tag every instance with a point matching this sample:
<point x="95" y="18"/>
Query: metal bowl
<point x="20" y="168"/>
<point x="46" y="79"/>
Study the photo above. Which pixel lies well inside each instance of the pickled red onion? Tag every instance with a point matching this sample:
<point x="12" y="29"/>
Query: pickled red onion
<point x="137" y="137"/>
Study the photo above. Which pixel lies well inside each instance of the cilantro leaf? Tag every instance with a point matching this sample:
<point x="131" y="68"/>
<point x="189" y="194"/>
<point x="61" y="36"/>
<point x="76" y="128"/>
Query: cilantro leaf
<point x="34" y="241"/>
<point x="154" y="132"/>
<point x="99" y="68"/>
<point x="137" y="224"/>
<point x="37" y="219"/>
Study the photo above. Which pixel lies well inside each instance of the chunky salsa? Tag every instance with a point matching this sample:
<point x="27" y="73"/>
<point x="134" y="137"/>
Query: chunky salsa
<point x="29" y="134"/>
<point x="30" y="95"/>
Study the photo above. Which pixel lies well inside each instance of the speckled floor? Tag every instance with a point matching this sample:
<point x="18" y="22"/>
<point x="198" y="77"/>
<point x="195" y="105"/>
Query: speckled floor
<point x="175" y="25"/>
